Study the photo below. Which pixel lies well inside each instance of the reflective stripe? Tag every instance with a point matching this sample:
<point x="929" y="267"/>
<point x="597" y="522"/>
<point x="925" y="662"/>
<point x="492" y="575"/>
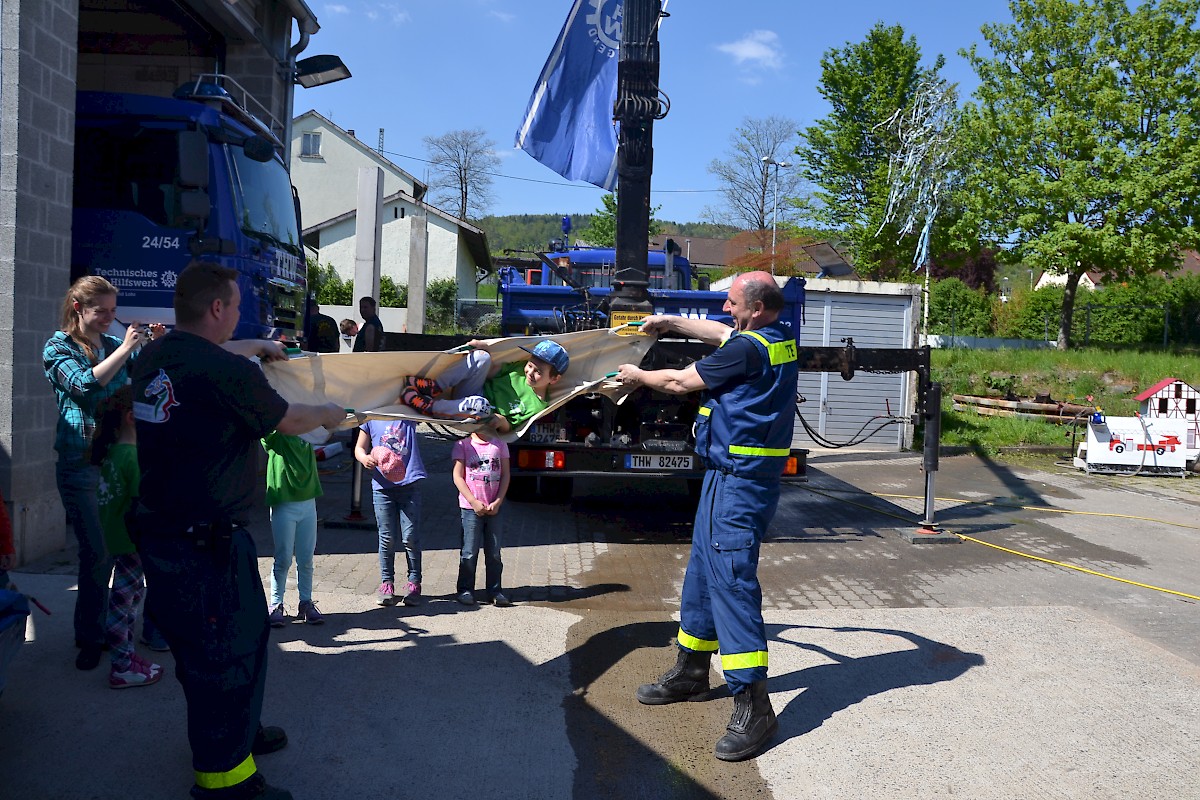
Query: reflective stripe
<point x="704" y="411"/>
<point x="744" y="660"/>
<point x="741" y="450"/>
<point x="686" y="640"/>
<point x="223" y="780"/>
<point x="779" y="352"/>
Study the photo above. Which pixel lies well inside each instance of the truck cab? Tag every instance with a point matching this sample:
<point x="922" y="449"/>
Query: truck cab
<point x="162" y="180"/>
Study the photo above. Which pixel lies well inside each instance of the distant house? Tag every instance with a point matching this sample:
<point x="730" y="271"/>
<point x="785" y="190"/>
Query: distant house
<point x="325" y="163"/>
<point x="1172" y="398"/>
<point x="1089" y="280"/>
<point x="1189" y="264"/>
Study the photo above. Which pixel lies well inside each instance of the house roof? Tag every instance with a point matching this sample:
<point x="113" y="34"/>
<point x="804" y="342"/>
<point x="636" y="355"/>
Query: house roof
<point x="475" y="238"/>
<point x="384" y="162"/>
<point x="1158" y="387"/>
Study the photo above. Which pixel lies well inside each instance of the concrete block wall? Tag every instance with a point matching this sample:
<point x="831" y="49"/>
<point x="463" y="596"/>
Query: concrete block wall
<point x="38" y="56"/>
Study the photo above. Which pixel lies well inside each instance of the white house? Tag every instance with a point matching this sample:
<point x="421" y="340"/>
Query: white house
<point x="455" y="249"/>
<point x="325" y="163"/>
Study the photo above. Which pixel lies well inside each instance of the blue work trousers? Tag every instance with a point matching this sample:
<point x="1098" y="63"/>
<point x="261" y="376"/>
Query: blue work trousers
<point x="721" y="606"/>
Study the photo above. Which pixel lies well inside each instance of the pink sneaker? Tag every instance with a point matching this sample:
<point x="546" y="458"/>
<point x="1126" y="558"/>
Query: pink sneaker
<point x="139" y="673"/>
<point x="413" y="596"/>
<point x="385" y="595"/>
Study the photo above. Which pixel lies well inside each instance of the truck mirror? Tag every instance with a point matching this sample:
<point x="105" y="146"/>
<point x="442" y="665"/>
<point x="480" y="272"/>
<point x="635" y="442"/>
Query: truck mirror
<point x="193" y="159"/>
<point x="194" y="205"/>
<point x="258" y="149"/>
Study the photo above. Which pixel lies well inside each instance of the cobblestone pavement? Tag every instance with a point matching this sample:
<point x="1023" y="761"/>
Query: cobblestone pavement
<point x="898" y="670"/>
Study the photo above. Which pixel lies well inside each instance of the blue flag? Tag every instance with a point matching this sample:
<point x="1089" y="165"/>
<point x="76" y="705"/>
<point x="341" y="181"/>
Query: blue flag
<point x="568" y="125"/>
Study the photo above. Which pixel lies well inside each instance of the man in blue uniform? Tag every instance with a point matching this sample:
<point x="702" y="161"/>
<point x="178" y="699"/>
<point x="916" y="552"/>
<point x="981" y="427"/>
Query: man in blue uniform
<point x="201" y="408"/>
<point x="743" y="438"/>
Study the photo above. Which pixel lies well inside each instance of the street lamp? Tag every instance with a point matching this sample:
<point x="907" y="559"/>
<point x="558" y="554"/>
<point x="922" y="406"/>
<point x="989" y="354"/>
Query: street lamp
<point x="770" y="161"/>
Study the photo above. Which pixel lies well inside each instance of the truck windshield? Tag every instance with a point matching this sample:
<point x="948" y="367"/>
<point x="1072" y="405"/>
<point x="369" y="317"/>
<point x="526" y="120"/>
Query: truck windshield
<point x="268" y="212"/>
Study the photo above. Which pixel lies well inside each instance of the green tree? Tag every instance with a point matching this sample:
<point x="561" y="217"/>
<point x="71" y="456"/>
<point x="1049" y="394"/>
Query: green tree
<point x="462" y="164"/>
<point x="845" y="155"/>
<point x="327" y="286"/>
<point x="956" y="309"/>
<point x="748" y="183"/>
<point x="392" y="294"/>
<point x="1084" y="138"/>
<point x="602" y="230"/>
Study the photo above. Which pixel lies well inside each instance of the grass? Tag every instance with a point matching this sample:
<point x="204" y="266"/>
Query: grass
<point x="1113" y="378"/>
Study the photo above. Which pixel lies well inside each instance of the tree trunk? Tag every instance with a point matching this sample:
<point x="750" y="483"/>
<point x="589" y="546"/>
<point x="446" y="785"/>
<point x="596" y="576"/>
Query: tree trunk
<point x="1068" y="307"/>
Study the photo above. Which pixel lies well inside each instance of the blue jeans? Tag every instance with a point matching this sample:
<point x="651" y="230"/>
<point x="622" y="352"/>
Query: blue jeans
<point x="399" y="507"/>
<point x="294" y="529"/>
<point x="77" y="485"/>
<point x="477" y="531"/>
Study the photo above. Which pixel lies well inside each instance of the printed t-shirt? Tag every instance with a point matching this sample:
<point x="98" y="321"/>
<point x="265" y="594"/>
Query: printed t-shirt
<point x="481" y="460"/>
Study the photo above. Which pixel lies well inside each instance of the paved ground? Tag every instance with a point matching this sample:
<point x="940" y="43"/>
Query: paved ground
<point x="899" y="670"/>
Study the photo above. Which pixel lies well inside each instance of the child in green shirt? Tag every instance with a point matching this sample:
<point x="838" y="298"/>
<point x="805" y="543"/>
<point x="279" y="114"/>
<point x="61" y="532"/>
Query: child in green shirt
<point x="515" y="391"/>
<point x="293" y="487"/>
<point x="114" y="450"/>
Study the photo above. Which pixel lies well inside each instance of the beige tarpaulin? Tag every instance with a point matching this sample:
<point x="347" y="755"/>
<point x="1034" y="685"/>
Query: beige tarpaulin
<point x="369" y="384"/>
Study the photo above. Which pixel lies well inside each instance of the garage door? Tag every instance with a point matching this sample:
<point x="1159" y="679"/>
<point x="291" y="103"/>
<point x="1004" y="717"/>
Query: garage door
<point x="843" y="411"/>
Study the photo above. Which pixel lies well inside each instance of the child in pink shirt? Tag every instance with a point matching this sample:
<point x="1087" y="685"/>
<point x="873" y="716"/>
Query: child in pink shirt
<point x="481" y="475"/>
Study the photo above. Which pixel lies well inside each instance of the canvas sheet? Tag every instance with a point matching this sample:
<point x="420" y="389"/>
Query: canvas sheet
<point x="369" y="384"/>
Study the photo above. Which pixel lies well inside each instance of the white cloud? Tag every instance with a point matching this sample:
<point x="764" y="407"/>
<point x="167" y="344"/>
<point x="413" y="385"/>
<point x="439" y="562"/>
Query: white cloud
<point x="756" y="50"/>
<point x="337" y="8"/>
<point x="503" y="16"/>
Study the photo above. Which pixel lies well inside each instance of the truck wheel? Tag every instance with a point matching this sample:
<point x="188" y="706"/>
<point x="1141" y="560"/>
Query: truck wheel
<point x="1160" y="451"/>
<point x="1120" y="448"/>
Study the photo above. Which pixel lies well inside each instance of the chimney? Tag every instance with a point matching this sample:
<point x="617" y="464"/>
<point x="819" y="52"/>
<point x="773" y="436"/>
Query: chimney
<point x="351" y="132"/>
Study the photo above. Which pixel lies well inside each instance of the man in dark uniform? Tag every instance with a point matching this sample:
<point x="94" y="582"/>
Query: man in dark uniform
<point x="321" y="333"/>
<point x="201" y="408"/>
<point x="370" y="333"/>
<point x="743" y="438"/>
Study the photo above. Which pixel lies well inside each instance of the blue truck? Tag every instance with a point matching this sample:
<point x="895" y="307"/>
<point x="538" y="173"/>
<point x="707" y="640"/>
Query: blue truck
<point x="162" y="180"/>
<point x="648" y="435"/>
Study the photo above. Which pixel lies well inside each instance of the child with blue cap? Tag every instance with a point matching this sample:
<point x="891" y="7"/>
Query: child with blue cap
<point x="509" y="393"/>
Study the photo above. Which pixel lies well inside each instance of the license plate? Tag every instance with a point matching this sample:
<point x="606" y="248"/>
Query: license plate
<point x="657" y="462"/>
<point x="542" y="433"/>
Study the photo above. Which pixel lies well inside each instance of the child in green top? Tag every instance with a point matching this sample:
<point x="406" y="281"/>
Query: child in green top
<point x="292" y="491"/>
<point x="114" y="450"/>
<point x="515" y="391"/>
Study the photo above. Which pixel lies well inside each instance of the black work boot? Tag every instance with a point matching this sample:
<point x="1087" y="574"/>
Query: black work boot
<point x="687" y="680"/>
<point x="752" y="725"/>
<point x="268" y="739"/>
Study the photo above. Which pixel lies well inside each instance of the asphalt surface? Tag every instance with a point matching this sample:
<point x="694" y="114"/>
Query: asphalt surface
<point x="898" y="670"/>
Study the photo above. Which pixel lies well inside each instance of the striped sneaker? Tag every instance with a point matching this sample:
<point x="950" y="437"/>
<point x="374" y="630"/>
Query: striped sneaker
<point x="417" y="401"/>
<point x="425" y="386"/>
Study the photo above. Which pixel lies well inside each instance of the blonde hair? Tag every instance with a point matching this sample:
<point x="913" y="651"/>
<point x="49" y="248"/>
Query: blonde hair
<point x="84" y="291"/>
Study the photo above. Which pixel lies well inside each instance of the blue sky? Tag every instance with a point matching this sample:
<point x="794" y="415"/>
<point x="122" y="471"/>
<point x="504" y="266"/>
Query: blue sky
<point x="425" y="68"/>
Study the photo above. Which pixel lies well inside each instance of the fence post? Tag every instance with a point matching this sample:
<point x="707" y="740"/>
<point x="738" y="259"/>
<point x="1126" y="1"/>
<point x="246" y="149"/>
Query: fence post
<point x="953" y="324"/>
<point x="1087" y="328"/>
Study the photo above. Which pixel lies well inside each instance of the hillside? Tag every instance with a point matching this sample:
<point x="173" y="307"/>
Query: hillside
<point x="534" y="231"/>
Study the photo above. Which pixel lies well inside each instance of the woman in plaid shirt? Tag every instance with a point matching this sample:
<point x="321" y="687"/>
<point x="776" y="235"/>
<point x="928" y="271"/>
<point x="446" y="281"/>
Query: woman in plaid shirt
<point x="85" y="365"/>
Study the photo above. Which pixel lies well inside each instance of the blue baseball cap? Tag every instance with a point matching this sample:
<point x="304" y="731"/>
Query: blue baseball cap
<point x="552" y="353"/>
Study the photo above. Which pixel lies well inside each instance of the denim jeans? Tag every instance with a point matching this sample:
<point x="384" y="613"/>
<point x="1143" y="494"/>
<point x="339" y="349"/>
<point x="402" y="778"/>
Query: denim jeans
<point x="294" y="529"/>
<point x="477" y="531"/>
<point x="399" y="507"/>
<point x="77" y="485"/>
